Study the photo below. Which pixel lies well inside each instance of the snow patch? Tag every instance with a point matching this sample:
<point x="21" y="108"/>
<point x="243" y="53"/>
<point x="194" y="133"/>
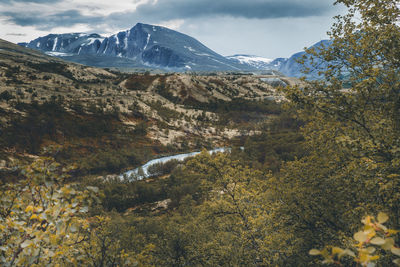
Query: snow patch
<point x="58" y="54"/>
<point x="106" y="48"/>
<point x="38" y="44"/>
<point x="126" y="42"/>
<point x="55" y="44"/>
<point x="203" y="54"/>
<point x="190" y="48"/>
<point x="147" y="41"/>
<point x="245" y="59"/>
<point x="92" y="40"/>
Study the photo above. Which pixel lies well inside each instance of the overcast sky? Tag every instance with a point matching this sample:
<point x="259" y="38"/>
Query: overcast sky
<point x="269" y="28"/>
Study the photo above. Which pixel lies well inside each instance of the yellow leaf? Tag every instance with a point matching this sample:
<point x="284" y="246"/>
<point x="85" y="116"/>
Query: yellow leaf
<point x="382" y="217"/>
<point x="392" y="232"/>
<point x="348" y="252"/>
<point x="361" y="237"/>
<point x="29" y="208"/>
<point x="374" y="258"/>
<point x="366" y="220"/>
<point x="314" y="252"/>
<point x="336" y="250"/>
<point x="395" y="251"/>
<point x="34" y="216"/>
<point x="396" y="261"/>
<point x="327" y="261"/>
<point x="364" y="257"/>
<point x="26" y="243"/>
<point x="370" y="250"/>
<point x="378" y="241"/>
<point x="370" y="232"/>
<point x="389" y="243"/>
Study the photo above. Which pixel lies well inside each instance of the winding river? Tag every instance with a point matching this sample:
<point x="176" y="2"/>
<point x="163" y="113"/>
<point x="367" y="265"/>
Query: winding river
<point x="143" y="171"/>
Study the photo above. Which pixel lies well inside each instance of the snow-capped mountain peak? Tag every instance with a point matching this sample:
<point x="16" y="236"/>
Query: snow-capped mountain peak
<point x="141" y="46"/>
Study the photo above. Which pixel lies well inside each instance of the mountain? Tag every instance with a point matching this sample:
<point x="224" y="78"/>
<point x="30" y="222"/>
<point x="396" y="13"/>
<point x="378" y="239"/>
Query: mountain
<point x="140" y="47"/>
<point x="292" y="68"/>
<point x="154" y="47"/>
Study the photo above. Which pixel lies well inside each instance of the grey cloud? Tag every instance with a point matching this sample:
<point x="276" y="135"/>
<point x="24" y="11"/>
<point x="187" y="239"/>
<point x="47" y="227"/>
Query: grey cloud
<point x="29" y="1"/>
<point x="16" y="34"/>
<point x="164" y="10"/>
<point x="65" y="19"/>
<point x="254" y="9"/>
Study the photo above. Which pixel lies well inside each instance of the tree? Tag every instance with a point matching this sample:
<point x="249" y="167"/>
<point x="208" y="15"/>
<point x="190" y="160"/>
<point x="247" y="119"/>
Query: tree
<point x="352" y="128"/>
<point x="370" y="244"/>
<point x="41" y="217"/>
<point x="236" y="224"/>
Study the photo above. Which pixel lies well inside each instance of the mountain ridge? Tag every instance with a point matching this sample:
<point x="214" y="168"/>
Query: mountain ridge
<point x="143" y="46"/>
<point x="146" y="46"/>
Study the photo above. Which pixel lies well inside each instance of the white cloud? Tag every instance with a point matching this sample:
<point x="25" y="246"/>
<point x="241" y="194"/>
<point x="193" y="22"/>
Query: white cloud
<point x="105" y="7"/>
<point x="174" y="24"/>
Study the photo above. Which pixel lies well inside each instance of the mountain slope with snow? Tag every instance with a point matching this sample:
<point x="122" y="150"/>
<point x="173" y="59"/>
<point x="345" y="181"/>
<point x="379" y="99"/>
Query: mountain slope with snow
<point x="250" y="60"/>
<point x="141" y="46"/>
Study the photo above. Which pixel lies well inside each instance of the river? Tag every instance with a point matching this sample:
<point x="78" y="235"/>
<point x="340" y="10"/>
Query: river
<point x="144" y="169"/>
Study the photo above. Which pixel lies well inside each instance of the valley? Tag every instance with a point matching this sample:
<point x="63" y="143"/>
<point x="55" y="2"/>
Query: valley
<point x="144" y="114"/>
<point x="141" y="146"/>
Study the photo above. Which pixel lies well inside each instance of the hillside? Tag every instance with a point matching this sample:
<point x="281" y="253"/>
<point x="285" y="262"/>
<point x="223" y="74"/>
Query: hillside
<point x="186" y="111"/>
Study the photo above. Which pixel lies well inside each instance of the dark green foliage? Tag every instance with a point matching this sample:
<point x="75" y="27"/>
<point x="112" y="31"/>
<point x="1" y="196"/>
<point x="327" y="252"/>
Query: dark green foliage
<point x="162" y="168"/>
<point x="48" y="121"/>
<point x="97" y="142"/>
<point x="52" y="67"/>
<point x="120" y="195"/>
<point x="6" y="96"/>
<point x="140" y="82"/>
<point x="164" y="112"/>
<point x="281" y="142"/>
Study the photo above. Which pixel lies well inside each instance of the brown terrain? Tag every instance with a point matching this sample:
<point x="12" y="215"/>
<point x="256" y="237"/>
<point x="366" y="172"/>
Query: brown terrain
<point x="178" y="111"/>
